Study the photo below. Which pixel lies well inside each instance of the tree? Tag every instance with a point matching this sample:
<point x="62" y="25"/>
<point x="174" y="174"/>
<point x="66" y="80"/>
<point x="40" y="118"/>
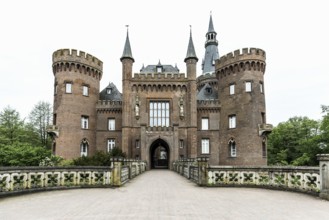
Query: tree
<point x="324" y="127"/>
<point x="11" y="126"/>
<point x="40" y="117"/>
<point x="22" y="154"/>
<point x="295" y="142"/>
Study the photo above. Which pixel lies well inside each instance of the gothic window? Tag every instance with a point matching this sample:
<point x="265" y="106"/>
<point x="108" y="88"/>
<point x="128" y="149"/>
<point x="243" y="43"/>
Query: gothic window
<point x="84" y="148"/>
<point x="110" y="144"/>
<point x="205" y="124"/>
<point x="248" y="86"/>
<point x="111" y="124"/>
<point x="68" y="87"/>
<point x="232" y="121"/>
<point x="232" y="147"/>
<point x="109" y="90"/>
<point x="137" y="143"/>
<point x="232" y="89"/>
<point x="84" y="122"/>
<point x="159" y="113"/>
<point x="85" y="90"/>
<point x="159" y="69"/>
<point x="205" y="146"/>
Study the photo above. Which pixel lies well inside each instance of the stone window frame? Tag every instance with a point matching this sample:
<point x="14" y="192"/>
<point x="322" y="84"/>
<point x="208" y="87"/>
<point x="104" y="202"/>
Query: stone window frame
<point x="137" y="143"/>
<point x="84" y="148"/>
<point x="261" y="87"/>
<point x="232" y="121"/>
<point x="203" y="119"/>
<point x="84" y="122"/>
<point x="109" y="126"/>
<point x="155" y="100"/>
<point x="181" y="143"/>
<point x="85" y="86"/>
<point x="205" y="140"/>
<point x="56" y="88"/>
<point x="264" y="148"/>
<point x="232" y="88"/>
<point x="232" y="148"/>
<point x="248" y="86"/>
<point x="110" y="144"/>
<point x="68" y="89"/>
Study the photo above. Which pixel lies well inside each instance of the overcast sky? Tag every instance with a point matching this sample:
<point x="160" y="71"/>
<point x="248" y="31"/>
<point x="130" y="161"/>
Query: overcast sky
<point x="294" y="35"/>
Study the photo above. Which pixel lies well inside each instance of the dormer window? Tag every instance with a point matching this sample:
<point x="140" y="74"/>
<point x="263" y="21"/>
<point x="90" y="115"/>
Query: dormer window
<point x="109" y="91"/>
<point x="159" y="69"/>
<point x="208" y="90"/>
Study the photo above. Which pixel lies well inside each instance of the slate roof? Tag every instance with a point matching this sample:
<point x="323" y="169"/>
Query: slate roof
<point x="207" y="92"/>
<point x="114" y="96"/>
<point x="190" y="49"/>
<point x="127" y="50"/>
<point x="165" y="69"/>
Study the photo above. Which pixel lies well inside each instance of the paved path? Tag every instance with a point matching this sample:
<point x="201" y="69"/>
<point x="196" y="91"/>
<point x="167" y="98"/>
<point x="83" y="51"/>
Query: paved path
<point x="163" y="194"/>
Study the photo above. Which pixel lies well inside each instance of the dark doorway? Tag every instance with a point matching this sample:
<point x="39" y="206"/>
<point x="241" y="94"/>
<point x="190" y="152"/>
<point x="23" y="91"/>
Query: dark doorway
<point x="159" y="154"/>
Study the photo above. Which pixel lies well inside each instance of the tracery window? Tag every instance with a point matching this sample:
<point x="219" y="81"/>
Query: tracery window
<point x="159" y="113"/>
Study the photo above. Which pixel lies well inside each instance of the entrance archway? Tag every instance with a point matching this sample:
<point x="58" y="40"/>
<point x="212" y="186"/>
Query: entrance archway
<point x="159" y="154"/>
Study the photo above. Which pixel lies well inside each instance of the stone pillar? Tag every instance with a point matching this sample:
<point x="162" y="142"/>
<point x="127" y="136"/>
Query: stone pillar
<point x="203" y="172"/>
<point x="324" y="175"/>
<point x="116" y="171"/>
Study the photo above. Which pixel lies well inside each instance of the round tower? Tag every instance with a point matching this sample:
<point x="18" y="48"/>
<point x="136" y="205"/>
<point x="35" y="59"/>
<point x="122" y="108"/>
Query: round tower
<point x="243" y="114"/>
<point x="77" y="77"/>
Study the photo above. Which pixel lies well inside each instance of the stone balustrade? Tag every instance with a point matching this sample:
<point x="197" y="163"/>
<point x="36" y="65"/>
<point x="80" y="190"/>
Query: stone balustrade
<point x="16" y="180"/>
<point x="314" y="180"/>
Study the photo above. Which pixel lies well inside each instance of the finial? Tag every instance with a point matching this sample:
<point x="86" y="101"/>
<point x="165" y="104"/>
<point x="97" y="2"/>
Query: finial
<point x="210" y="13"/>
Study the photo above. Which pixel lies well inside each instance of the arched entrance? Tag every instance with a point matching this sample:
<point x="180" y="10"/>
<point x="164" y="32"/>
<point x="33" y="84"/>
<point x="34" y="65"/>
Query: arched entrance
<point x="159" y="154"/>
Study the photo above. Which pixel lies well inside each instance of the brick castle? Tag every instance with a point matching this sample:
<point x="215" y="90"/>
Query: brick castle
<point x="162" y="114"/>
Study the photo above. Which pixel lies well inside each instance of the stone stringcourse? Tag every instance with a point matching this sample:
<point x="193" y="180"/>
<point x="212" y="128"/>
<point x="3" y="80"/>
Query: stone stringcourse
<point x="18" y="180"/>
<point x="314" y="180"/>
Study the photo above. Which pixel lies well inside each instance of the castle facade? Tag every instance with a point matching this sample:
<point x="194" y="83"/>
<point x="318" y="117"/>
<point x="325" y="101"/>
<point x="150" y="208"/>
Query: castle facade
<point x="162" y="114"/>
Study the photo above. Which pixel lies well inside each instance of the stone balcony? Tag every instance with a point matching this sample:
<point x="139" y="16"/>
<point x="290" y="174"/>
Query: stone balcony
<point x="264" y="129"/>
<point x="53" y="130"/>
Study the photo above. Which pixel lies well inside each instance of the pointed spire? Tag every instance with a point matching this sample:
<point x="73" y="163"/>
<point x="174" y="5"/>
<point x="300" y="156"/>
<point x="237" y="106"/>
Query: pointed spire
<point x="127" y="49"/>
<point x="211" y="25"/>
<point x="159" y="63"/>
<point x="190" y="49"/>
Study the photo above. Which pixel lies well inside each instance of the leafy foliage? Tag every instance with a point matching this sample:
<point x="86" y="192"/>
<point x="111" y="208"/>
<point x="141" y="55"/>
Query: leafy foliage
<point x="20" y="154"/>
<point x="297" y="142"/>
<point x="100" y="158"/>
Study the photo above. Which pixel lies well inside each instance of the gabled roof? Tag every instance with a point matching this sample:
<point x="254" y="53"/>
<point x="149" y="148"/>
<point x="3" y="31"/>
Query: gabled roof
<point x="114" y="95"/>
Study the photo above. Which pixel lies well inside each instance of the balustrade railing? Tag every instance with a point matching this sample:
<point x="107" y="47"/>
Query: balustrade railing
<point x="303" y="179"/>
<point x="15" y="180"/>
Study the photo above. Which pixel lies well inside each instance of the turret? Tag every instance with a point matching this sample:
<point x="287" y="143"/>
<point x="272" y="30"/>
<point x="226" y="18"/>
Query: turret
<point x="243" y="113"/>
<point x="191" y="61"/>
<point x="211" y="53"/>
<point x="127" y="68"/>
<point x="76" y="92"/>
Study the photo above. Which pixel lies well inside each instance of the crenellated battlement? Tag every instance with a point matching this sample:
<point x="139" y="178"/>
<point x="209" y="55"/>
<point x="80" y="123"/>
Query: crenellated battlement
<point x="238" y="56"/>
<point x="159" y="76"/>
<point x="80" y="57"/>
<point x="208" y="105"/>
<point x="103" y="106"/>
<point x="108" y="103"/>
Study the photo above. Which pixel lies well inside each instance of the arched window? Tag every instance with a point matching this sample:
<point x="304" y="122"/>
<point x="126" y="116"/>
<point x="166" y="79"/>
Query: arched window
<point x="232" y="147"/>
<point x="84" y="147"/>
